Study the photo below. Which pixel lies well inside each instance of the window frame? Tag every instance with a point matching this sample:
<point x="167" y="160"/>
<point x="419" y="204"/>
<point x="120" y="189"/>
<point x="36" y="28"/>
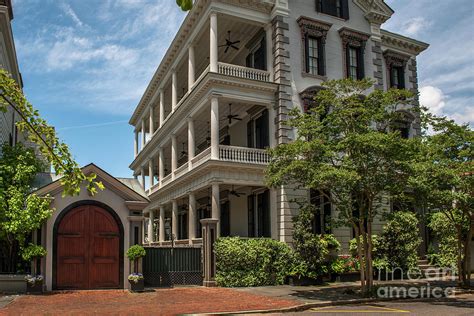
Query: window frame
<point x="353" y="40"/>
<point x="341" y="8"/>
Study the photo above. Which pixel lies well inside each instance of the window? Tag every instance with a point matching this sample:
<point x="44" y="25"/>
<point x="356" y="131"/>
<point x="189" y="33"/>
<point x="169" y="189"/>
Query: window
<point x="397" y="77"/>
<point x="355" y="63"/>
<point x="259" y="214"/>
<point x="313" y="56"/>
<point x="322" y="217"/>
<point x="258" y="135"/>
<point x="257" y="56"/>
<point x="225" y="219"/>
<point x="313" y="38"/>
<point x="353" y="44"/>
<point x="337" y="8"/>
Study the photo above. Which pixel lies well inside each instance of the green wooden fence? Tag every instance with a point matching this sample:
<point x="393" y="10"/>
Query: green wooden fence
<point x="172" y="266"/>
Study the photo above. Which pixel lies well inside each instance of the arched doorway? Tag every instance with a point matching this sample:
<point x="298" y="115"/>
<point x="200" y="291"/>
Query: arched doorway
<point x="88" y="249"/>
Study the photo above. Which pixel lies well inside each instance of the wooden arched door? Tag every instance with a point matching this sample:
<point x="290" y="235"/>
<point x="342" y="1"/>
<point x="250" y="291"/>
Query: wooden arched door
<point x="88" y="249"/>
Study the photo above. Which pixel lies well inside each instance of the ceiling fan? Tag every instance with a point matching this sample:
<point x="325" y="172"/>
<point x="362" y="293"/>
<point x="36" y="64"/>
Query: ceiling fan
<point x="231" y="116"/>
<point x="229" y="43"/>
<point x="235" y="193"/>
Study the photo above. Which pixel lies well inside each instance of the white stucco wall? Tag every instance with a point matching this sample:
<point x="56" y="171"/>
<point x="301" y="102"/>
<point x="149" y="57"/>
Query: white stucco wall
<point x="107" y="197"/>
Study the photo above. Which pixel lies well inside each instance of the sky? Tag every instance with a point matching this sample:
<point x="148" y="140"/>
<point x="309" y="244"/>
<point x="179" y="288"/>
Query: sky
<point x="86" y="63"/>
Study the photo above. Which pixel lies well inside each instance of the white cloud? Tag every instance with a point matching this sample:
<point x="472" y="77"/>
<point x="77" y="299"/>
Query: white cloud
<point x="415" y="25"/>
<point x="71" y="13"/>
<point x="459" y="109"/>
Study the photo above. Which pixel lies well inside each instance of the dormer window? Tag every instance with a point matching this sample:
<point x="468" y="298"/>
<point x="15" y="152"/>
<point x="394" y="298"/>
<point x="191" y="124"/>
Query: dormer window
<point x="337" y="8"/>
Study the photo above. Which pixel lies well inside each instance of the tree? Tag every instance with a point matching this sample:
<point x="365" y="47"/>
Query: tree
<point x="20" y="211"/>
<point x="349" y="146"/>
<point x="44" y="135"/>
<point x="185" y="5"/>
<point x="444" y="180"/>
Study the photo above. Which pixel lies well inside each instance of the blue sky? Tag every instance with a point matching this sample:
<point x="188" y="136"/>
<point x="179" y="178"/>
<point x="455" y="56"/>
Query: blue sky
<point x="86" y="63"/>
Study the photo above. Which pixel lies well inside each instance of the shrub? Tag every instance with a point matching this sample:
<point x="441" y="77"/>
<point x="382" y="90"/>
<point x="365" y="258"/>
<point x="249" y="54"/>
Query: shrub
<point x="344" y="264"/>
<point x="251" y="262"/>
<point x="311" y="250"/>
<point x="400" y="241"/>
<point x="32" y="252"/>
<point x="376" y="254"/>
<point x="447" y="241"/>
<point x="136" y="252"/>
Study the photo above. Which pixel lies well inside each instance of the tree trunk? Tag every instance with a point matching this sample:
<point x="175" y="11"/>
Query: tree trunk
<point x="370" y="272"/>
<point x="361" y="261"/>
<point x="467" y="257"/>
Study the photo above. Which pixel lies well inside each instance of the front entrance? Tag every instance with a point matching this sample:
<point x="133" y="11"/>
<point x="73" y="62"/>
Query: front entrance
<point x="88" y="249"/>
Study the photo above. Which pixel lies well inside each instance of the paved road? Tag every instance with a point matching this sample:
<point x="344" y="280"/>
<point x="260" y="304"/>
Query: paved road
<point x="460" y="305"/>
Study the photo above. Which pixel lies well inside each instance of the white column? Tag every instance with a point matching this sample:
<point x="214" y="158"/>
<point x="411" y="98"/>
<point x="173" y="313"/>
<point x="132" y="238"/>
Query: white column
<point x="161" y="166"/>
<point x="151" y="235"/>
<point x="270" y="59"/>
<point x="213" y="43"/>
<point x="136" y="143"/>
<point x="214" y="128"/>
<point x="216" y="212"/>
<point x="142" y="176"/>
<point x="191" y="67"/>
<point x="174" y="219"/>
<point x="162" y="224"/>
<point x="174" y="154"/>
<point x="143" y="134"/>
<point x="174" y="90"/>
<point x="192" y="217"/>
<point x="191" y="142"/>
<point x="162" y="107"/>
<point x="152" y="123"/>
<point x="151" y="178"/>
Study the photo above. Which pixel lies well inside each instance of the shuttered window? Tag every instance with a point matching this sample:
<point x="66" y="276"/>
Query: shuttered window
<point x="355" y="63"/>
<point x="337" y="8"/>
<point x="397" y="77"/>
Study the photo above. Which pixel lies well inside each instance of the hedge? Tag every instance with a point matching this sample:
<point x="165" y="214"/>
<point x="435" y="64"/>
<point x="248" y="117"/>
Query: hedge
<point x="251" y="262"/>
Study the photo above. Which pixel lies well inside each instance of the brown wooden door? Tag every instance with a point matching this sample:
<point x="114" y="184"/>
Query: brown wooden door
<point x="88" y="249"/>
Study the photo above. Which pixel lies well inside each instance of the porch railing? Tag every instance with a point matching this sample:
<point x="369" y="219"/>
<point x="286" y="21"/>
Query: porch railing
<point x="243" y="72"/>
<point x="181" y="170"/>
<point x="244" y="155"/>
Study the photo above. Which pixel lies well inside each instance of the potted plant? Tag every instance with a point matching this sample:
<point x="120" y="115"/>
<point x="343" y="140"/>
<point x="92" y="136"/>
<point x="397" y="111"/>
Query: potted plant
<point x="136" y="280"/>
<point x="34" y="281"/>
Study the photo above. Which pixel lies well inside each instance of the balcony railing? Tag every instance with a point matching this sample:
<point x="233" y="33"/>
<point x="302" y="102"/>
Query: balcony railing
<point x="181" y="170"/>
<point x="243" y="72"/>
<point x="244" y="155"/>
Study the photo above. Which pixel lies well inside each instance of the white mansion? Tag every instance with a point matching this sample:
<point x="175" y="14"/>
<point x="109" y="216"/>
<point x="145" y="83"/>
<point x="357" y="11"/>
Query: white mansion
<point x="221" y="96"/>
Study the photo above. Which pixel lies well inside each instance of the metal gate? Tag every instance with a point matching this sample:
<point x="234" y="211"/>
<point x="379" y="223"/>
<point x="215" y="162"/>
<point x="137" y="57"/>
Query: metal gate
<point x="164" y="267"/>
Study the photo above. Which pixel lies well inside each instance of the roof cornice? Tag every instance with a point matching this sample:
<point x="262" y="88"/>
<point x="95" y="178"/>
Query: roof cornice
<point x="376" y="11"/>
<point x="402" y="43"/>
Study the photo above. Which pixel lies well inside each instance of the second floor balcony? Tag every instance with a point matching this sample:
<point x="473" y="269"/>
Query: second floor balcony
<point x="223" y="42"/>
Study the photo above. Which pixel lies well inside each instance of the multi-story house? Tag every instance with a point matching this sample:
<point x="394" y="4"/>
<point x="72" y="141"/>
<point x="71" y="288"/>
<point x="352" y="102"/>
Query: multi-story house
<point x="221" y="96"/>
<point x="8" y="61"/>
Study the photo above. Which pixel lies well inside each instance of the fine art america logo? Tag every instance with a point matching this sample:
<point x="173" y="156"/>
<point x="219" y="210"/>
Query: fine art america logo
<point x="429" y="288"/>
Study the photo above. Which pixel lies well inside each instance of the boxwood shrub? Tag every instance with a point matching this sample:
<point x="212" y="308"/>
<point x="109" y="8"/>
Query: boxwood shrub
<point x="251" y="262"/>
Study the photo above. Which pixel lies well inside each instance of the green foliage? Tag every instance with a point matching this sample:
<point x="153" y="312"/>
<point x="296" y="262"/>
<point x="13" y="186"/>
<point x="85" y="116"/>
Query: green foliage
<point x="251" y="262"/>
<point x="376" y="241"/>
<point x="33" y="251"/>
<point x="400" y="240"/>
<point x="446" y="236"/>
<point x="311" y="250"/>
<point x="347" y="145"/>
<point x="185" y="5"/>
<point x="344" y="264"/>
<point x="136" y="252"/>
<point x="20" y="211"/>
<point x="44" y="135"/>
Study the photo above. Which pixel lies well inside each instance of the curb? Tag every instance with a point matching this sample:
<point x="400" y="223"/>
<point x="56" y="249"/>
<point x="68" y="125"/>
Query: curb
<point x="306" y="306"/>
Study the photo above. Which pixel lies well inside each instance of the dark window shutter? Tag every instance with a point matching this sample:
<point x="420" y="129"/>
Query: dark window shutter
<point x="225" y="219"/>
<point x="319" y="6"/>
<point x="251" y="215"/>
<point x="306" y="52"/>
<point x="321" y="58"/>
<point x="266" y="231"/>
<point x="265" y="139"/>
<point x="345" y="9"/>
<point x="401" y="77"/>
<point x="330" y="7"/>
<point x="248" y="60"/>
<point x="348" y="62"/>
<point x="360" y="63"/>
<point x="263" y="48"/>
<point x="250" y="134"/>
